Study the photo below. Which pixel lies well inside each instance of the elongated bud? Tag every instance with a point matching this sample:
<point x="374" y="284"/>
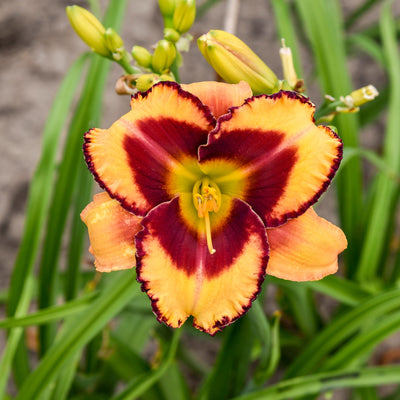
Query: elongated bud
<point x="146" y="81"/>
<point x="360" y="96"/>
<point x="89" y="29"/>
<point x="142" y="56"/>
<point x="184" y="15"/>
<point x="171" y="35"/>
<point x="289" y="73"/>
<point x="234" y="61"/>
<point x="163" y="57"/>
<point x="167" y="7"/>
<point x="114" y="43"/>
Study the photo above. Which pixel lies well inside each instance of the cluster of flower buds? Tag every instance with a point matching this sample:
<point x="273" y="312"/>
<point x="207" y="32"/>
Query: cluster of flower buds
<point x="178" y="15"/>
<point x="230" y="57"/>
<point x="345" y="104"/>
<point x="105" y="42"/>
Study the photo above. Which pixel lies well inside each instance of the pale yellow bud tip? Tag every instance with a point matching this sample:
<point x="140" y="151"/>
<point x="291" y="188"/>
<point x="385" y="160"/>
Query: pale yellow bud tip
<point x="360" y="96"/>
<point x="289" y="73"/>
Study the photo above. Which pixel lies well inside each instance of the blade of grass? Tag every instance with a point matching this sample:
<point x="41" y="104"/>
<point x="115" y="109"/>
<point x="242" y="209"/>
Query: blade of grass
<point x="343" y="290"/>
<point x="38" y="202"/>
<point x="62" y="197"/>
<point x="342" y="328"/>
<point x="80" y="331"/>
<point x="320" y="383"/>
<point x="14" y="337"/>
<point x="86" y="112"/>
<point x="323" y="22"/>
<point x="50" y="314"/>
<point x="375" y="246"/>
<point x="83" y="192"/>
<point x="368" y="46"/>
<point x="363" y="343"/>
<point x="41" y="185"/>
<point x="359" y="12"/>
<point x="139" y="386"/>
<point x="227" y="377"/>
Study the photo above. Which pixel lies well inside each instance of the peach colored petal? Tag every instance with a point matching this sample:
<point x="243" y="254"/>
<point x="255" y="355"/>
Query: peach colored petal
<point x="305" y="248"/>
<point x="219" y="96"/>
<point x="111" y="231"/>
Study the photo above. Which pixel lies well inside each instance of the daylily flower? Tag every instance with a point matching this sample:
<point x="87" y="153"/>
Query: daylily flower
<point x="214" y="192"/>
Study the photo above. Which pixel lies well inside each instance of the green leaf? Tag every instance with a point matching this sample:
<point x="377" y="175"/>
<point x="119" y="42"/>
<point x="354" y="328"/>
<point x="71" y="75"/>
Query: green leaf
<point x="228" y="376"/>
<point x="14" y="337"/>
<point x="323" y="23"/>
<point x="37" y="205"/>
<point x="141" y="384"/>
<point x="80" y="331"/>
<point x="88" y="110"/>
<point x="50" y="314"/>
<point x="320" y="383"/>
<point x="375" y="248"/>
<point x="342" y="328"/>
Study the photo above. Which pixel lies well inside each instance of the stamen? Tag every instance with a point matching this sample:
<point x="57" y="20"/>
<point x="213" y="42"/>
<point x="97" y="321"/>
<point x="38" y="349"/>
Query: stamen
<point x="208" y="234"/>
<point x="206" y="199"/>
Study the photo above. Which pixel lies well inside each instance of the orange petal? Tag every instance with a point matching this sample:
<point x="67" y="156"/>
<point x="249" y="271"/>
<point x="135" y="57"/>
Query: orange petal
<point x="305" y="248"/>
<point x="182" y="278"/>
<point x="111" y="231"/>
<point x="280" y="161"/>
<point x="135" y="158"/>
<point x="219" y="96"/>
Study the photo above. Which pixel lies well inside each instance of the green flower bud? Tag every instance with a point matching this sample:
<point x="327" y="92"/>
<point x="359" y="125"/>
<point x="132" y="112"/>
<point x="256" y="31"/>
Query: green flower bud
<point x="360" y="96"/>
<point x="114" y="43"/>
<point x="234" y="61"/>
<point x="289" y="73"/>
<point x="184" y="15"/>
<point x="167" y="7"/>
<point x="146" y="81"/>
<point x="142" y="56"/>
<point x="164" y="55"/>
<point x="171" y="35"/>
<point x="89" y="29"/>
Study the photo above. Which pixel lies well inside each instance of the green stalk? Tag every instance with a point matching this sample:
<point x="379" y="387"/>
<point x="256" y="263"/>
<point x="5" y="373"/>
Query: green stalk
<point x="138" y="387"/>
<point x="14" y="337"/>
<point x="325" y="382"/>
<point x="78" y="332"/>
<point x="37" y="206"/>
<point x="87" y="110"/>
<point x="375" y="249"/>
<point x="324" y="25"/>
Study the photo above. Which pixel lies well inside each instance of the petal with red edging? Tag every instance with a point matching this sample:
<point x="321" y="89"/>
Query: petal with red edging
<point x="135" y="158"/>
<point x="305" y="248"/>
<point x="220" y="96"/>
<point x="182" y="278"/>
<point x="112" y="232"/>
<point x="280" y="161"/>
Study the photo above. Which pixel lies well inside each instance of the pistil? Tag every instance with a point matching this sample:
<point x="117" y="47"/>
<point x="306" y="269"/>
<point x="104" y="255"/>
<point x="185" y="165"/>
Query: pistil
<point x="206" y="199"/>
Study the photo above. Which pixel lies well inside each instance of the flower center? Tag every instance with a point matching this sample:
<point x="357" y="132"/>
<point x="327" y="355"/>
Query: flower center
<point x="206" y="199"/>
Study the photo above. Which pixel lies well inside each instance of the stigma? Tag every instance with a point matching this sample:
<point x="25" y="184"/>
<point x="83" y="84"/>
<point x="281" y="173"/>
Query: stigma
<point x="206" y="199"/>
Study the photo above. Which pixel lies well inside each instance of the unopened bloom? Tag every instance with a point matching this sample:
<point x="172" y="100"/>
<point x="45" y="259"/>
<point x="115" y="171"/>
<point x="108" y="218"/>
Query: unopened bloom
<point x="164" y="55"/>
<point x="360" y="96"/>
<point x="114" y="43"/>
<point x="222" y="188"/>
<point x="89" y="29"/>
<point x="142" y="56"/>
<point x="234" y="61"/>
<point x="184" y="15"/>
